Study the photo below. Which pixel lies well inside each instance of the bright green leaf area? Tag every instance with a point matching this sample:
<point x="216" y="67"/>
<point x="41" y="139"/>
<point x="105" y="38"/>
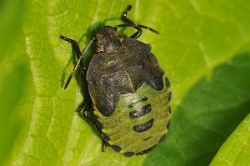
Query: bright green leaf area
<point x="203" y="47"/>
<point x="235" y="150"/>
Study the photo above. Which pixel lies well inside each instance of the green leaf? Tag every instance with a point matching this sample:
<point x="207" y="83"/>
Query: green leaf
<point x="11" y="89"/>
<point x="235" y="151"/>
<point x="203" y="46"/>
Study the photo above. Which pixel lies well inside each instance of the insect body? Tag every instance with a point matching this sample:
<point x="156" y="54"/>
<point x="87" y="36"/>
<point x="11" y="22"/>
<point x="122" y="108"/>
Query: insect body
<point x="127" y="89"/>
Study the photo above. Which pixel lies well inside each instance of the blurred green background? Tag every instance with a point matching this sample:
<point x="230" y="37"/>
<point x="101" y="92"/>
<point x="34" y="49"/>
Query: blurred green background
<point x="203" y="46"/>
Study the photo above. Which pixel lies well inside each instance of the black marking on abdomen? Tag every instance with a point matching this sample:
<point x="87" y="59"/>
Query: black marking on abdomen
<point x="146" y="138"/>
<point x="134" y="103"/>
<point x="144" y="127"/>
<point x="170" y="96"/>
<point x="162" y="138"/>
<point x="116" y="148"/>
<point x="168" y="125"/>
<point x="167" y="82"/>
<point x="146" y="150"/>
<point x="129" y="154"/>
<point x="140" y="112"/>
<point x="105" y="137"/>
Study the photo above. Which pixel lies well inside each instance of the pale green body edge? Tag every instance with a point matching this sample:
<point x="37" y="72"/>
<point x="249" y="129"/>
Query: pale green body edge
<point x="119" y="126"/>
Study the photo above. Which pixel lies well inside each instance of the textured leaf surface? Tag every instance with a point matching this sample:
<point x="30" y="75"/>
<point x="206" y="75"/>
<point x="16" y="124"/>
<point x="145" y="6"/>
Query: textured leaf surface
<point x="235" y="151"/>
<point x="203" y="46"/>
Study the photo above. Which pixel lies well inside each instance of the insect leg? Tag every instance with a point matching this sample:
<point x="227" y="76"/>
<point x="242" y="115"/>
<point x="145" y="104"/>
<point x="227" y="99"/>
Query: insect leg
<point x="74" y="44"/>
<point x="87" y="109"/>
<point x="124" y="15"/>
<point x="136" y="34"/>
<point x="103" y="145"/>
<point x="128" y="21"/>
<point x="79" y="55"/>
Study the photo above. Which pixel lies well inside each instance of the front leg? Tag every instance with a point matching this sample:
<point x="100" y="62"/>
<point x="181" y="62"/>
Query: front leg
<point x="76" y="48"/>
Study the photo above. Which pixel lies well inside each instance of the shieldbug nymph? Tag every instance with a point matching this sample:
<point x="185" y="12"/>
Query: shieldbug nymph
<point x="126" y="89"/>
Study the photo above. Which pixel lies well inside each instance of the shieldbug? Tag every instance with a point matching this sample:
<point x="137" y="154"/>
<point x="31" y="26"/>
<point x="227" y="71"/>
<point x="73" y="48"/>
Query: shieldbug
<point x="127" y="90"/>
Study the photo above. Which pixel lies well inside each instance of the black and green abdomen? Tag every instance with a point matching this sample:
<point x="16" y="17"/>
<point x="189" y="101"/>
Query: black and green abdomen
<point x="139" y="122"/>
